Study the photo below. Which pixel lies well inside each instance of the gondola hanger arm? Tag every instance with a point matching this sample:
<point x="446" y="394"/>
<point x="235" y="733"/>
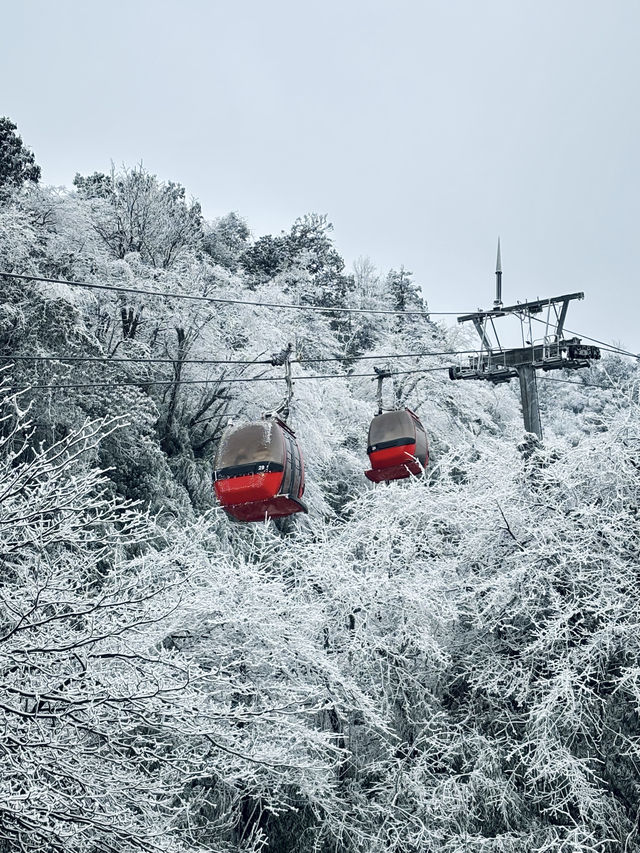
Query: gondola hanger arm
<point x="381" y="374"/>
<point x="283" y="359"/>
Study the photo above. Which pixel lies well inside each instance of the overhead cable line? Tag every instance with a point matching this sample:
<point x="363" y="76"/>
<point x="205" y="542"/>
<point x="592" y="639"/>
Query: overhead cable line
<point x="335" y="310"/>
<point x="225" y="300"/>
<point x="145" y="360"/>
<point x="220" y="380"/>
<point x="389" y="356"/>
<point x="116" y="361"/>
<point x="609" y="347"/>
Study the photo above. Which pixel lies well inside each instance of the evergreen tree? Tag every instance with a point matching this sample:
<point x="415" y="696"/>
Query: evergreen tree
<point x="17" y="163"/>
<point x="267" y="257"/>
<point x="97" y="185"/>
<point x="226" y="240"/>
<point x="403" y="291"/>
<point x="309" y="244"/>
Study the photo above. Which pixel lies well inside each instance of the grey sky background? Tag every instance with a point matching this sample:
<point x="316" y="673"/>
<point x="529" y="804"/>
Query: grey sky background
<point x="423" y="129"/>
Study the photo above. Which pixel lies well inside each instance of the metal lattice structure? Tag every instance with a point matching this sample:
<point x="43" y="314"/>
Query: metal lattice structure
<point x="552" y="351"/>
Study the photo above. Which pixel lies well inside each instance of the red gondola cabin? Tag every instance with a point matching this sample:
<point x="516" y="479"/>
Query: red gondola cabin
<point x="397" y="446"/>
<point x="259" y="472"/>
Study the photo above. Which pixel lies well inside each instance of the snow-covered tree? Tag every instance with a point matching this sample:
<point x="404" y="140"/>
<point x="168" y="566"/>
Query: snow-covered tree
<point x="132" y="211"/>
<point x="17" y="163"/>
<point x="444" y="664"/>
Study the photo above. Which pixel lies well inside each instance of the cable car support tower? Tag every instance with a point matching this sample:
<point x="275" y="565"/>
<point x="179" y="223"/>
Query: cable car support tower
<point x="552" y="351"/>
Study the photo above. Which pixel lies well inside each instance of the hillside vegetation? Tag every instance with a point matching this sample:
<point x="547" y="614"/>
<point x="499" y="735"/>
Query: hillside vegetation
<point x="450" y="663"/>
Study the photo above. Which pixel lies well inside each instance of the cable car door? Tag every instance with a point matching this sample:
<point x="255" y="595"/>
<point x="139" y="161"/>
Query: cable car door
<point x="292" y="477"/>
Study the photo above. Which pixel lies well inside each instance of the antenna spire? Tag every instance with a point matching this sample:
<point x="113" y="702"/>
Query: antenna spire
<point x="497" y="302"/>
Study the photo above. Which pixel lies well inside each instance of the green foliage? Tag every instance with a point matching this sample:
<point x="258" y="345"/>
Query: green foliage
<point x="404" y="293"/>
<point x="97" y="185"/>
<point x="307" y="247"/>
<point x="265" y="258"/>
<point x="17" y="163"/>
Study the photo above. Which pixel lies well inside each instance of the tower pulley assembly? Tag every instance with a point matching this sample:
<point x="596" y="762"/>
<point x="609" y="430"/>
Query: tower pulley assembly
<point x="551" y="352"/>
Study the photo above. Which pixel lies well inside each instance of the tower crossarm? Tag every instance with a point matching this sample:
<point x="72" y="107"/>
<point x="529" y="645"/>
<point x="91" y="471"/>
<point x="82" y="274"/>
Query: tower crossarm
<point x="534" y="307"/>
<point x="553" y="352"/>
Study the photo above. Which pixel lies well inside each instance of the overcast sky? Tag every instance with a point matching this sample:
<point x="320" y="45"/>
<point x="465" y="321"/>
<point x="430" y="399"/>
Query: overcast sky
<point x="423" y="129"/>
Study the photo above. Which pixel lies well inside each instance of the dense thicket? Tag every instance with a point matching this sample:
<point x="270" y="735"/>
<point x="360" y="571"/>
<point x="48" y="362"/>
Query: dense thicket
<point x="447" y="664"/>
